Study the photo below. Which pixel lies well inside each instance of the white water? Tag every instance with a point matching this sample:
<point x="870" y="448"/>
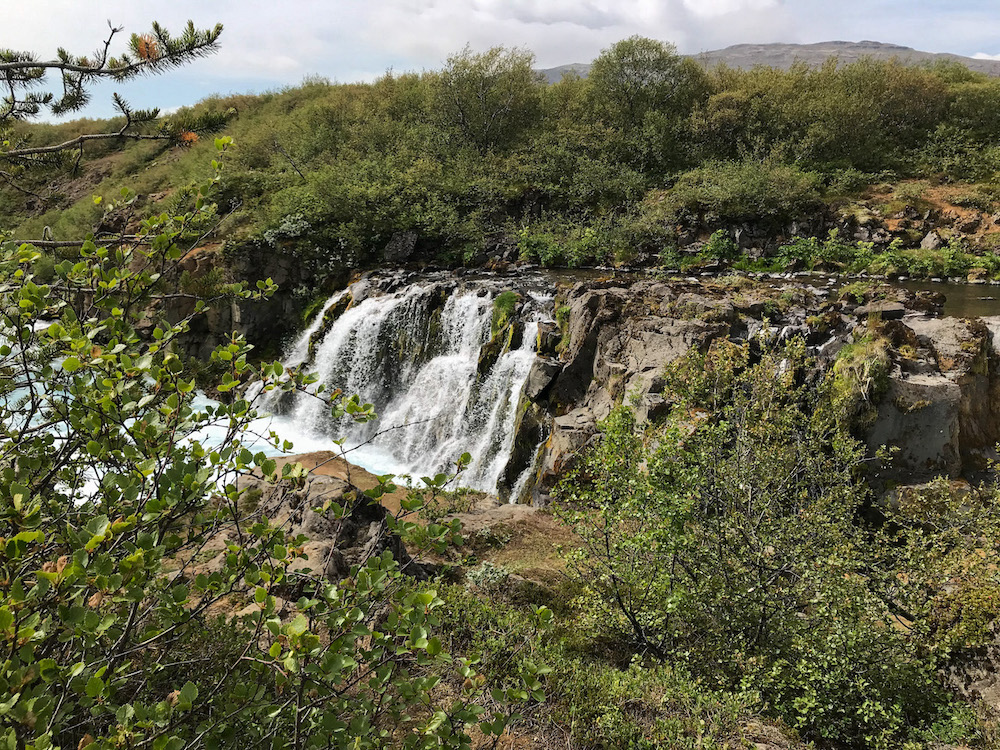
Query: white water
<point x="419" y="369"/>
<point x="299" y="351"/>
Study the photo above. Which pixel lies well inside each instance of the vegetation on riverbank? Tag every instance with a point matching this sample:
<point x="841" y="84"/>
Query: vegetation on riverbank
<point x="731" y="563"/>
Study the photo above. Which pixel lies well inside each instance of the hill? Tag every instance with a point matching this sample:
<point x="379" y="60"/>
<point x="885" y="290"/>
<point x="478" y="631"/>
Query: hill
<point x="782" y="56"/>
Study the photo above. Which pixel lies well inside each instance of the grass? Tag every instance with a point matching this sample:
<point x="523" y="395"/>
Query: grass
<point x="859" y="377"/>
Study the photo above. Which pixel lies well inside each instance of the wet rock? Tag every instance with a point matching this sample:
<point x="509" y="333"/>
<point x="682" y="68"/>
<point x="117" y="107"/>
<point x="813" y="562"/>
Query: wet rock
<point x="531" y="430"/>
<point x="571" y="435"/>
<point x="549" y="337"/>
<point x="927" y="302"/>
<point x="506" y="339"/>
<point x="542" y="374"/>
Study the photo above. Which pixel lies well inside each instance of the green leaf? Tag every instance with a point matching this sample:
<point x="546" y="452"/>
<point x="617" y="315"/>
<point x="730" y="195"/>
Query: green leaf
<point x="188" y="694"/>
<point x="48" y="670"/>
<point x="94" y="686"/>
<point x="298" y="626"/>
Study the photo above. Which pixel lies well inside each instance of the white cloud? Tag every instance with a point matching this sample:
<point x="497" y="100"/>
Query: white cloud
<point x="716" y="8"/>
<point x="267" y="44"/>
<point x="561" y="31"/>
<point x="984" y="56"/>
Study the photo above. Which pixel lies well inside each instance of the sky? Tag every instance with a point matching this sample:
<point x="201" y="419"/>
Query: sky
<point x="268" y="45"/>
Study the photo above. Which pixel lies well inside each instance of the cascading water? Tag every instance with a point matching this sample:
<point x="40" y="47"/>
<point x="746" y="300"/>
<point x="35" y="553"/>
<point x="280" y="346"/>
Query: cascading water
<point x="299" y="351"/>
<point x="417" y="354"/>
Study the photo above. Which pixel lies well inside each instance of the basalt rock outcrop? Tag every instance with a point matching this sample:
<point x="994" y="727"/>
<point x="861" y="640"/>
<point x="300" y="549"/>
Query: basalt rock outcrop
<point x="335" y="544"/>
<point x="940" y="411"/>
<point x="523" y="387"/>
<point x="937" y="409"/>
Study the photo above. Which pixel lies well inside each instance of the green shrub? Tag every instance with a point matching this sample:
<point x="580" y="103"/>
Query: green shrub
<point x="732" y="540"/>
<point x="735" y="192"/>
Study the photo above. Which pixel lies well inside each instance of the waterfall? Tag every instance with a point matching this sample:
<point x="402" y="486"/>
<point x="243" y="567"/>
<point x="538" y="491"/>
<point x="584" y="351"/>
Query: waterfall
<point x="299" y="351"/>
<point x="415" y="354"/>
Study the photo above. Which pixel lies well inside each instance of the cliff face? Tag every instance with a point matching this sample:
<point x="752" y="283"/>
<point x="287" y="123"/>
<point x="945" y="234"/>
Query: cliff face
<point x="604" y="341"/>
<point x="936" y="409"/>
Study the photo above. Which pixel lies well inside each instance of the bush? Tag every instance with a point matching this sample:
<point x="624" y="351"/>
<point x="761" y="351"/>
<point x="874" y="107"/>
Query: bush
<point x="732" y="540"/>
<point x="736" y="192"/>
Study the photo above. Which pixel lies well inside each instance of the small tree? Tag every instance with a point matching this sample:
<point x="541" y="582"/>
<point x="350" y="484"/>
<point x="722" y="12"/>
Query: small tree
<point x="644" y="91"/>
<point x="637" y="76"/>
<point x="24" y="76"/>
<point x="490" y="98"/>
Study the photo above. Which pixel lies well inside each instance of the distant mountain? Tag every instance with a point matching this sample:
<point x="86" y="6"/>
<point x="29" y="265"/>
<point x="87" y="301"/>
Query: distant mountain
<point x="784" y="55"/>
<point x="554" y="75"/>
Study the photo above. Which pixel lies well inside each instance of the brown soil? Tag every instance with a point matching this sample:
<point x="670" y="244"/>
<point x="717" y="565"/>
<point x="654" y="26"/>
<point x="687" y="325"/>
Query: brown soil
<point x="941" y="201"/>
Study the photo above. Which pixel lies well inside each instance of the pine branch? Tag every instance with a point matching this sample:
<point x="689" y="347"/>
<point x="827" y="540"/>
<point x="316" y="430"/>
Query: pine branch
<point x="148" y="53"/>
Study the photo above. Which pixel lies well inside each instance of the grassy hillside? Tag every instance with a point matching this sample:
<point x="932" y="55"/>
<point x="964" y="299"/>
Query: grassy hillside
<point x="481" y="160"/>
<point x="724" y="578"/>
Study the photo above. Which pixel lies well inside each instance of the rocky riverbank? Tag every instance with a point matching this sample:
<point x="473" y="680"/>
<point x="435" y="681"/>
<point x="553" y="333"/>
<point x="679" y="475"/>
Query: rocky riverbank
<point x="933" y="406"/>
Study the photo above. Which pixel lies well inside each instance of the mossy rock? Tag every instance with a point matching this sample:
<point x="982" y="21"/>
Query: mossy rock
<point x="507" y="338"/>
<point x="504" y="306"/>
<point x="329" y="318"/>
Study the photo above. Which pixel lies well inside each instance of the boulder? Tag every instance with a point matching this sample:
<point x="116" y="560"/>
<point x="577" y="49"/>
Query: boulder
<point x="542" y="374"/>
<point x="400" y="247"/>
<point x="919" y="418"/>
<point x="932" y="241"/>
<point x="886" y="309"/>
<point x="335" y="544"/>
<point x="941" y="407"/>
